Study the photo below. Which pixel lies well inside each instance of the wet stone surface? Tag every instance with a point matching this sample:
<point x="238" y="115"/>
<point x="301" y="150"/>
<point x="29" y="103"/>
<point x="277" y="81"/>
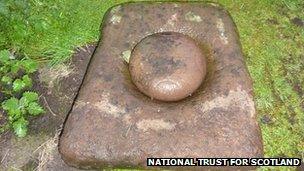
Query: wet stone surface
<point x="113" y="124"/>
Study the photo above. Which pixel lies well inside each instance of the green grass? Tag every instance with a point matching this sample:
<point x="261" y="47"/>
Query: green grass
<point x="272" y="44"/>
<point x="275" y="58"/>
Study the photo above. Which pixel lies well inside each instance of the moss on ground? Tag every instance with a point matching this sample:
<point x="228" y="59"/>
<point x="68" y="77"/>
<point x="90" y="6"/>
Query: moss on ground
<point x="271" y="33"/>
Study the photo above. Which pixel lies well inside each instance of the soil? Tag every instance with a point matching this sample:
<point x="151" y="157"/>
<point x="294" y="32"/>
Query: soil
<point x="266" y="119"/>
<point x="298" y="22"/>
<point x="57" y="86"/>
<point x="272" y="21"/>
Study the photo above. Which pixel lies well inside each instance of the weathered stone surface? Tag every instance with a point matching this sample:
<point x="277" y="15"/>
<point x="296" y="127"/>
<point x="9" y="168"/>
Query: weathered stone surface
<point x="113" y="124"/>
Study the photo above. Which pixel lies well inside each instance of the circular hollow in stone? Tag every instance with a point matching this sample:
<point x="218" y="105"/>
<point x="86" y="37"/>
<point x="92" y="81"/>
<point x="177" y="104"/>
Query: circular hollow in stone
<point x="167" y="66"/>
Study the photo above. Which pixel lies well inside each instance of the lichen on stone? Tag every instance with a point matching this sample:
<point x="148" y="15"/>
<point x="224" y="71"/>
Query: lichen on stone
<point x="115" y="9"/>
<point x="222" y="31"/>
<point x="154" y="124"/>
<point x="126" y="55"/>
<point x="115" y="19"/>
<point x="105" y="106"/>
<point x="176" y="5"/>
<point x="239" y="98"/>
<point x="190" y="16"/>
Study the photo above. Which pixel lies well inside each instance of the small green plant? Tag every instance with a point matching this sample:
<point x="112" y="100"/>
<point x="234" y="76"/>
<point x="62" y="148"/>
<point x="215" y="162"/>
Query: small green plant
<point x="18" y="102"/>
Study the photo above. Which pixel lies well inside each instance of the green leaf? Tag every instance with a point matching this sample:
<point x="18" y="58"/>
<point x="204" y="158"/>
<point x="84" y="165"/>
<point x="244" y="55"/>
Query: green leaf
<point x="14" y="114"/>
<point x="20" y="127"/>
<point x="30" y="96"/>
<point x="10" y="104"/>
<point x="15" y="67"/>
<point x="30" y="65"/>
<point x="12" y="107"/>
<point x="27" y="81"/>
<point x="27" y="98"/>
<point x="4" y="69"/>
<point x="6" y="80"/>
<point x="35" y="109"/>
<point x="18" y="85"/>
<point x="24" y="102"/>
<point x="4" y="56"/>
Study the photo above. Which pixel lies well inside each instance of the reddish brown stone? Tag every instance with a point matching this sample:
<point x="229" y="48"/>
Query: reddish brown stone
<point x="167" y="66"/>
<point x="113" y="124"/>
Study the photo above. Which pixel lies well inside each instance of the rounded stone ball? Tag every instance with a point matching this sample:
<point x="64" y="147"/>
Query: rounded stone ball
<point x="167" y="66"/>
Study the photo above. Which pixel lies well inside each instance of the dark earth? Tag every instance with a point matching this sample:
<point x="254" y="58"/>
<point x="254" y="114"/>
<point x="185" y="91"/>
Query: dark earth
<point x="298" y="22"/>
<point x="112" y="124"/>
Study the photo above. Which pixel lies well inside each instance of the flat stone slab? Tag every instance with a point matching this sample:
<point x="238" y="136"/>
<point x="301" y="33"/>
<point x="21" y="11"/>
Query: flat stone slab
<point x="112" y="124"/>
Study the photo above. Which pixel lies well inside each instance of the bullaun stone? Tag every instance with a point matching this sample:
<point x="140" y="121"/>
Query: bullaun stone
<point x="113" y="124"/>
